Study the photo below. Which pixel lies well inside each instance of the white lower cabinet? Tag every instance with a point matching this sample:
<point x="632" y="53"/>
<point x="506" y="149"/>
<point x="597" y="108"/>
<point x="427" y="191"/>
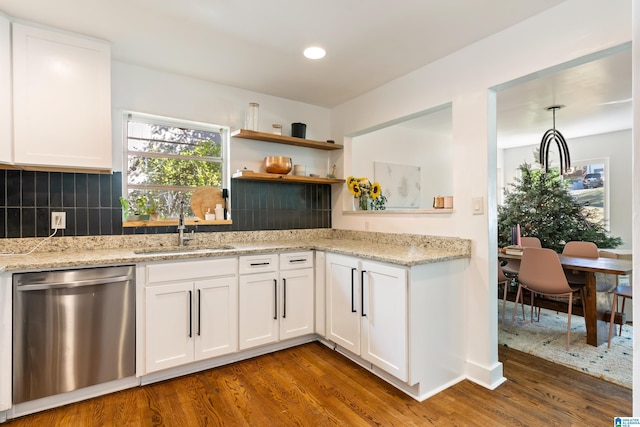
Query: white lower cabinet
<point x="276" y="298"/>
<point x="367" y="311"/>
<point x="190" y="312"/>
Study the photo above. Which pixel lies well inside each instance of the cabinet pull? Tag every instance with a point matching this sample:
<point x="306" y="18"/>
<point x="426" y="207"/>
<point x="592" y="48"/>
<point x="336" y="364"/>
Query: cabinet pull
<point x="256" y="264"/>
<point x="362" y="292"/>
<point x="353" y="309"/>
<point x="275" y="299"/>
<point x="284" y="298"/>
<point x="190" y="314"/>
<point x="291" y="261"/>
<point x="199" y="310"/>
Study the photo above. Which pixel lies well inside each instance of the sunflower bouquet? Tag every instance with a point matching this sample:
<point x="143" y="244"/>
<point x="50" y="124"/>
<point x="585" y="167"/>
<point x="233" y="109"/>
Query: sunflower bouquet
<point x="368" y="195"/>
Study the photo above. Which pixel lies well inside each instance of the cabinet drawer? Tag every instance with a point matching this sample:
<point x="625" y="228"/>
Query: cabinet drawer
<point x="186" y="270"/>
<point x="295" y="260"/>
<point x="258" y="263"/>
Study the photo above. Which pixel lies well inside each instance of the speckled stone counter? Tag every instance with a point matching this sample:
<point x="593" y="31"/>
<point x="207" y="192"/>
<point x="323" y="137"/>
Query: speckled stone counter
<point x="67" y="252"/>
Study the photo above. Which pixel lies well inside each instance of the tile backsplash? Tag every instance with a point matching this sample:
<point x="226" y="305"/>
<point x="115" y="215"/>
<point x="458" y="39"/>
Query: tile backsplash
<point x="92" y="206"/>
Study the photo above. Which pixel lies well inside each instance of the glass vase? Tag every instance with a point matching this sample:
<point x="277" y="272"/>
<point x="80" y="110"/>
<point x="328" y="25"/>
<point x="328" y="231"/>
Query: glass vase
<point x="364" y="203"/>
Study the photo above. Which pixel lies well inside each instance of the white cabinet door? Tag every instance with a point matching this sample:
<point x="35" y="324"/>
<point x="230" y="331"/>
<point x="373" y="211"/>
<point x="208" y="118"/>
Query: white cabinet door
<point x="216" y="326"/>
<point x="296" y="313"/>
<point x="5" y="91"/>
<point x="61" y="99"/>
<point x="169" y="328"/>
<point x="343" y="301"/>
<point x="258" y="305"/>
<point x="384" y="318"/>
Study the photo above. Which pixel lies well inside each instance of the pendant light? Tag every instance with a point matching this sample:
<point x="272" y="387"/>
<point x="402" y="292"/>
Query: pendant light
<point x="550" y="136"/>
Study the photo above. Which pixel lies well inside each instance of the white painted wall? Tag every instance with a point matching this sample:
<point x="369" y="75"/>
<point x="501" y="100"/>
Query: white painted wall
<point x="151" y="91"/>
<point x="614" y="146"/>
<point x="402" y="145"/>
<point x="573" y="29"/>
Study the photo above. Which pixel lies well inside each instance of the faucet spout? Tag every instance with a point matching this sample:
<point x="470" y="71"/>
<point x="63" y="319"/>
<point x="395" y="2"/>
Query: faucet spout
<point x="181" y="227"/>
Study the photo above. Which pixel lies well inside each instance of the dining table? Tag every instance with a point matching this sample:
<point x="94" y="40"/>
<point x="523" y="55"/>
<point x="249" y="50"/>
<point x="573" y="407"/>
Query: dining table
<point x="595" y="309"/>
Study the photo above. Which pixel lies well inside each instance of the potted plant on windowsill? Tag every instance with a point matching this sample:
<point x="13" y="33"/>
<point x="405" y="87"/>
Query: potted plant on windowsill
<point x="142" y="209"/>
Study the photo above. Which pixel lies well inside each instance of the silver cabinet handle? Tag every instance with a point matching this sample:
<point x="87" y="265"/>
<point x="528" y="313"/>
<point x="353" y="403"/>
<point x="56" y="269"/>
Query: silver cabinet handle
<point x="275" y="299"/>
<point x="284" y="298"/>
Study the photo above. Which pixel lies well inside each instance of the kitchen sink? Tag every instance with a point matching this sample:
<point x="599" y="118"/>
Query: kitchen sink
<point x="182" y="249"/>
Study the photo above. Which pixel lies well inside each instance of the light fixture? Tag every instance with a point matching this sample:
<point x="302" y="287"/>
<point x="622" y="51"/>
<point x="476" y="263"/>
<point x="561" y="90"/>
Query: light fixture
<point x="314" y="52"/>
<point x="550" y="136"/>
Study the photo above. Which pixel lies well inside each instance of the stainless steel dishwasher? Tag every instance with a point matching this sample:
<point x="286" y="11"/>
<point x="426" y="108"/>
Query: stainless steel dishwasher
<point x="72" y="329"/>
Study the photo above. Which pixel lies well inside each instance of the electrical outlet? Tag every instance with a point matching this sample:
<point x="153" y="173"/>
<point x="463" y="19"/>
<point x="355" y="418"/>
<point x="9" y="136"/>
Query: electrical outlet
<point x="58" y="220"/>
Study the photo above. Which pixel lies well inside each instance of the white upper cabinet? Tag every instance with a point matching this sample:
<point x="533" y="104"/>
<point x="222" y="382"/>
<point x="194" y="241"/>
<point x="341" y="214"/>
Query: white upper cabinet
<point x="61" y="100"/>
<point x="5" y="90"/>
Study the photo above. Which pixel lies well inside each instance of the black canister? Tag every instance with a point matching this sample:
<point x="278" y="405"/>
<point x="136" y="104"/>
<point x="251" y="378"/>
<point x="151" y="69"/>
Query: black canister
<point x="299" y="130"/>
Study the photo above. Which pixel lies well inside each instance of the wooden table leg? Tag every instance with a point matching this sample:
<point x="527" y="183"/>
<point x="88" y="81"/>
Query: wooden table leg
<point x="597" y="331"/>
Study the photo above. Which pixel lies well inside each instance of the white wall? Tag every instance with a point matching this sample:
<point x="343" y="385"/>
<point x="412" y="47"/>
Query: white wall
<point x="151" y="91"/>
<point x="573" y="29"/>
<point x="407" y="146"/>
<point x="614" y="146"/>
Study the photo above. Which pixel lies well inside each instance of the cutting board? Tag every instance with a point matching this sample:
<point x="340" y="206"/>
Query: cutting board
<point x="205" y="198"/>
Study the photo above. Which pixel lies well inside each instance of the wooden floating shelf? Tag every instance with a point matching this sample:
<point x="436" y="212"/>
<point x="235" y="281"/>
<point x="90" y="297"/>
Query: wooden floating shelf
<point x="281" y="139"/>
<point x="256" y="176"/>
<point x="172" y="222"/>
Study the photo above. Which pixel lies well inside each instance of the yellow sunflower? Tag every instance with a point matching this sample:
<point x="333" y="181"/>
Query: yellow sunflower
<point x="354" y="188"/>
<point x="376" y="190"/>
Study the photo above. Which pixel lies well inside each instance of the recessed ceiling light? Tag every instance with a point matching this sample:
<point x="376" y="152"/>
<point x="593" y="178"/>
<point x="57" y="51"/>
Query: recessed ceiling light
<point x="314" y="52"/>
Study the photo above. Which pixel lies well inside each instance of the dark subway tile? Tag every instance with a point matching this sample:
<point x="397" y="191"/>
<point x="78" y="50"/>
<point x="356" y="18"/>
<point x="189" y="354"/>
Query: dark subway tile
<point x="42" y="189"/>
<point x="3" y="188"/>
<point x="116" y="189"/>
<point x="28" y="222"/>
<point x="14" y="191"/>
<point x="70" y="226"/>
<point x="55" y="190"/>
<point x="43" y="218"/>
<point x="105" y="191"/>
<point x="81" y="190"/>
<point x="105" y="222"/>
<point x="94" y="221"/>
<point x="116" y="221"/>
<point x="93" y="190"/>
<point x="82" y="222"/>
<point x="28" y="189"/>
<point x="68" y="190"/>
<point x="3" y="224"/>
<point x="13" y="222"/>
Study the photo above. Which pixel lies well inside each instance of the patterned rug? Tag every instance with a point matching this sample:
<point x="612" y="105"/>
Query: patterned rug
<point x="547" y="340"/>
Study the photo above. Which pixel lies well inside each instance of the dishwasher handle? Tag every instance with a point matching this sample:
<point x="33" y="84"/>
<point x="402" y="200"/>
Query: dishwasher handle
<point x="74" y="284"/>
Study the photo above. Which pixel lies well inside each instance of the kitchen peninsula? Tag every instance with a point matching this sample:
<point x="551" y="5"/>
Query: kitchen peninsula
<point x="399" y="286"/>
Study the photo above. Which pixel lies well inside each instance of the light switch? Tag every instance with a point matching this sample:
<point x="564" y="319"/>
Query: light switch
<point x="477" y="205"/>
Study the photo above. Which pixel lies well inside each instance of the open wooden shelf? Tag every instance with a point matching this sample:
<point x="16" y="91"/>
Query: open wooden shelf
<point x="281" y="139"/>
<point x="256" y="176"/>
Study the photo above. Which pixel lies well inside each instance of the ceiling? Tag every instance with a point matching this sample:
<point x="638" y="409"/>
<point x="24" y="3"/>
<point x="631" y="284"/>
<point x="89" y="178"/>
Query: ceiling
<point x="257" y="45"/>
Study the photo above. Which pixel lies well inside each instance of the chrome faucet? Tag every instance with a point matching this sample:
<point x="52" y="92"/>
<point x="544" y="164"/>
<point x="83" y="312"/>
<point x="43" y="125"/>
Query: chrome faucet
<point x="181" y="237"/>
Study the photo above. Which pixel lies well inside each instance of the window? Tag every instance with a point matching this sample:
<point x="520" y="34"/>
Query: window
<point x="588" y="185"/>
<point x="168" y="159"/>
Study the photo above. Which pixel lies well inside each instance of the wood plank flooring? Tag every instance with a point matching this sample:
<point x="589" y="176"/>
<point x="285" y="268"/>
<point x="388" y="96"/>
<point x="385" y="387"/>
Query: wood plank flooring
<point x="311" y="385"/>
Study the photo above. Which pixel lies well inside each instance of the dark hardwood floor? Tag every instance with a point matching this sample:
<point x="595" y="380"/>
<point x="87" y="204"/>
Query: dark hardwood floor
<point x="311" y="385"/>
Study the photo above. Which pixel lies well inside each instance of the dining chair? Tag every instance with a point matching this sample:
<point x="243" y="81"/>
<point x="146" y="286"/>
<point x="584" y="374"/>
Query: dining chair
<point x="620" y="291"/>
<point x="513" y="265"/>
<point x="541" y="273"/>
<point x="530" y="242"/>
<point x="504" y="281"/>
<point x="579" y="249"/>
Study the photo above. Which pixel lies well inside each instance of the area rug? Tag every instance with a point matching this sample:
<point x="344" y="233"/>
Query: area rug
<point x="547" y="339"/>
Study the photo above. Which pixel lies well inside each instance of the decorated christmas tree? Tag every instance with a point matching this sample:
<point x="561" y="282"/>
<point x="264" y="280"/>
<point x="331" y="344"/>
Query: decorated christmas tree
<point x="543" y="206"/>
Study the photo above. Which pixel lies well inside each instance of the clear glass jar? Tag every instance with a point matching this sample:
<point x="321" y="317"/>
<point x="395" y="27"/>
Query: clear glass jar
<point x="252" y="116"/>
<point x="277" y="129"/>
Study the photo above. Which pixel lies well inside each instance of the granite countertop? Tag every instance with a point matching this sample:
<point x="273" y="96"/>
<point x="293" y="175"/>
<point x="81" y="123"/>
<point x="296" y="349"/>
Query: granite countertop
<point x="65" y="252"/>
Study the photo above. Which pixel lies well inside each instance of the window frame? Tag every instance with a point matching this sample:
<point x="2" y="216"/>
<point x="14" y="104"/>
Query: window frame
<point x="153" y="119"/>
